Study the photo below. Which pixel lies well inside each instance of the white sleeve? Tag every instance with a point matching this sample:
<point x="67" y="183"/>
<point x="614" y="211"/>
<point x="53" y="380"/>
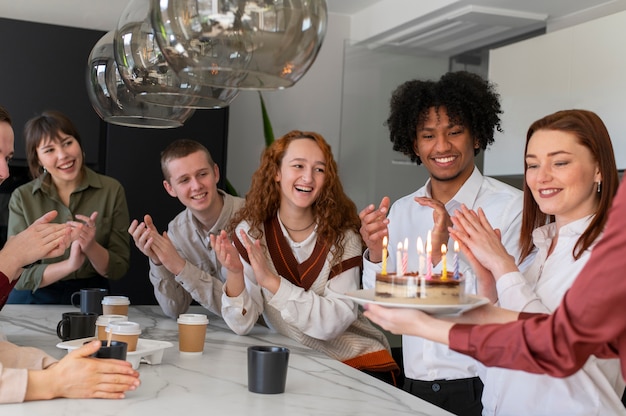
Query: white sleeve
<point x="324" y="316"/>
<point x="514" y="292"/>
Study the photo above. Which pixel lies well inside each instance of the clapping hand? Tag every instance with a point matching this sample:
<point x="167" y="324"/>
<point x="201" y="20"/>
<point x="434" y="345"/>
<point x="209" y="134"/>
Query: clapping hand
<point x="43" y="239"/>
<point x="141" y="233"/>
<point x="374" y="227"/>
<point x="264" y="276"/>
<point x="226" y="252"/>
<point x="87" y="236"/>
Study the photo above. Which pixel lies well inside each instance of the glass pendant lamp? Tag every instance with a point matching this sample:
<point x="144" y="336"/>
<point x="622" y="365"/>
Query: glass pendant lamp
<point x="147" y="74"/>
<point x="113" y="101"/>
<point x="253" y="45"/>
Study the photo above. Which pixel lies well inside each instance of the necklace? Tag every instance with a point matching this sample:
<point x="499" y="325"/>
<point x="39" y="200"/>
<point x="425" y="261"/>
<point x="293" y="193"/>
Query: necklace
<point x="301" y="229"/>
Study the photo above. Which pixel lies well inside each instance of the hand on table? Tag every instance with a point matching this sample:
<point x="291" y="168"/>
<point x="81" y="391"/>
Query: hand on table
<point x="77" y="375"/>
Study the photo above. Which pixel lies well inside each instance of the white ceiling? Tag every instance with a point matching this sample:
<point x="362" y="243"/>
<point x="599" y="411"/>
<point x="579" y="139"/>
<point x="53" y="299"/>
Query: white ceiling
<point x="103" y="14"/>
<point x="377" y="20"/>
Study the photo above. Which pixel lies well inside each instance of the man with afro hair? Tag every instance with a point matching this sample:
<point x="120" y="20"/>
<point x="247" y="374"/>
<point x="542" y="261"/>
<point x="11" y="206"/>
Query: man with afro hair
<point x="441" y="125"/>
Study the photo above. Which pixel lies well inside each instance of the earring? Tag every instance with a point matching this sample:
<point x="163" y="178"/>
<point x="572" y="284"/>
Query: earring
<point x="599" y="186"/>
<point x="45" y="170"/>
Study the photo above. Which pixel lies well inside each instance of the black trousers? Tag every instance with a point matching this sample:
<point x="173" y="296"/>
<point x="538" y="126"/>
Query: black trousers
<point x="461" y="397"/>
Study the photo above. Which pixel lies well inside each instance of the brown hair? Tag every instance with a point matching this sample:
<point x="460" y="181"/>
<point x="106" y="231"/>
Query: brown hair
<point x="591" y="133"/>
<point x="333" y="210"/>
<point x="48" y="125"/>
<point x="181" y="148"/>
<point x="4" y="115"/>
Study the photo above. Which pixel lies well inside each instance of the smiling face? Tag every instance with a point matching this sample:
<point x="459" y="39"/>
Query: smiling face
<point x="6" y="149"/>
<point x="446" y="149"/>
<point x="301" y="174"/>
<point x="562" y="175"/>
<point x="193" y="181"/>
<point x="62" y="157"/>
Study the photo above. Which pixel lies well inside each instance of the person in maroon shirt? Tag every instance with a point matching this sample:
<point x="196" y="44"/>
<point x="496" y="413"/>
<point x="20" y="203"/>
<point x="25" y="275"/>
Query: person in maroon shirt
<point x="589" y="320"/>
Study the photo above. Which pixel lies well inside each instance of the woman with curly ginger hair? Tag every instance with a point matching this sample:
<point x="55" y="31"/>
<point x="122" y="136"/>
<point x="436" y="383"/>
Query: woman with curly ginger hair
<point x="295" y="247"/>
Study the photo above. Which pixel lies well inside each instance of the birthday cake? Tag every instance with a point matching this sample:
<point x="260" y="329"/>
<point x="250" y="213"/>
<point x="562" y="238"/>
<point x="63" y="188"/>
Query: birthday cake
<point x="411" y="288"/>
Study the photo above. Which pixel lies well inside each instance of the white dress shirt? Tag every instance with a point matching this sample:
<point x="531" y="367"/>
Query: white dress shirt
<point x="595" y="389"/>
<point x="427" y="360"/>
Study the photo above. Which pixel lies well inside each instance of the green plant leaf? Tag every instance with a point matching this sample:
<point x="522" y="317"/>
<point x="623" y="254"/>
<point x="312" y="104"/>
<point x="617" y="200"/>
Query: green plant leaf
<point x="268" y="131"/>
<point x="230" y="188"/>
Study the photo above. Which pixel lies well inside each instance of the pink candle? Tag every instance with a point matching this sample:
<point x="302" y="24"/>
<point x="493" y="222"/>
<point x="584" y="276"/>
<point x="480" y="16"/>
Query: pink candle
<point x="405" y="256"/>
<point x="456" y="259"/>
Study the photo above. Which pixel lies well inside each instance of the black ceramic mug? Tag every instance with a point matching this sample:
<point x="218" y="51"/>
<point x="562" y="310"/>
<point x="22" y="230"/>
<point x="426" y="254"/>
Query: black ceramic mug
<point x="90" y="299"/>
<point x="267" y="369"/>
<point x="115" y="349"/>
<point x="75" y="325"/>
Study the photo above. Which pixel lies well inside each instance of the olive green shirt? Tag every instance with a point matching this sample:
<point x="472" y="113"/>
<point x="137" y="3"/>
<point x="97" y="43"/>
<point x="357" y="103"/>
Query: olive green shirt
<point x="95" y="193"/>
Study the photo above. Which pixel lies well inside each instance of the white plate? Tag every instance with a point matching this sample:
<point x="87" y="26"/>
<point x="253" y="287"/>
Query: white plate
<point x="364" y="296"/>
<point x="148" y="351"/>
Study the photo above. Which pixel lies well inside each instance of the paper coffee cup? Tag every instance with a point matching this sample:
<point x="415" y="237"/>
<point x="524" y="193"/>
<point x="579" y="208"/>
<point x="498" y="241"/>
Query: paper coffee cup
<point x="115" y="305"/>
<point x="125" y="331"/>
<point x="103" y="321"/>
<point x="191" y="333"/>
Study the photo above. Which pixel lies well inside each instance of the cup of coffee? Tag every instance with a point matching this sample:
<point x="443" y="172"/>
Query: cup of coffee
<point x="90" y="299"/>
<point x="267" y="369"/>
<point x="103" y="321"/>
<point x="115" y="305"/>
<point x="125" y="331"/>
<point x="116" y="349"/>
<point x="191" y="333"/>
<point x="75" y="325"/>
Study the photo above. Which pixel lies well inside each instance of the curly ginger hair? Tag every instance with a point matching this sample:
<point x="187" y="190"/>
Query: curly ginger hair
<point x="333" y="210"/>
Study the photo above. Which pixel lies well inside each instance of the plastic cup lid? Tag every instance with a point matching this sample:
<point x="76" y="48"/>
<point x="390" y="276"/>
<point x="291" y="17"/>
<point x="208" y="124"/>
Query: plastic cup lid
<point x="115" y="300"/>
<point x="123" y="328"/>
<point x="193" y="319"/>
<point x="105" y="319"/>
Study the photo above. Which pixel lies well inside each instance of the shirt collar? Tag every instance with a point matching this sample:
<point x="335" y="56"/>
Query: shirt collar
<point x="221" y="222"/>
<point x="90" y="179"/>
<point x="467" y="194"/>
<point x="547" y="232"/>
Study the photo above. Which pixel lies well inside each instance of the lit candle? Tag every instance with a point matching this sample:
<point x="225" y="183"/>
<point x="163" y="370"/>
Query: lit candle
<point x="405" y="256"/>
<point x="384" y="271"/>
<point x="456" y="260"/>
<point x="420" y="255"/>
<point x="444" y="268"/>
<point x="429" y="256"/>
<point x="399" y="260"/>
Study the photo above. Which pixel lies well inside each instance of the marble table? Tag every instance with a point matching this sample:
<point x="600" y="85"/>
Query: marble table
<point x="214" y="383"/>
